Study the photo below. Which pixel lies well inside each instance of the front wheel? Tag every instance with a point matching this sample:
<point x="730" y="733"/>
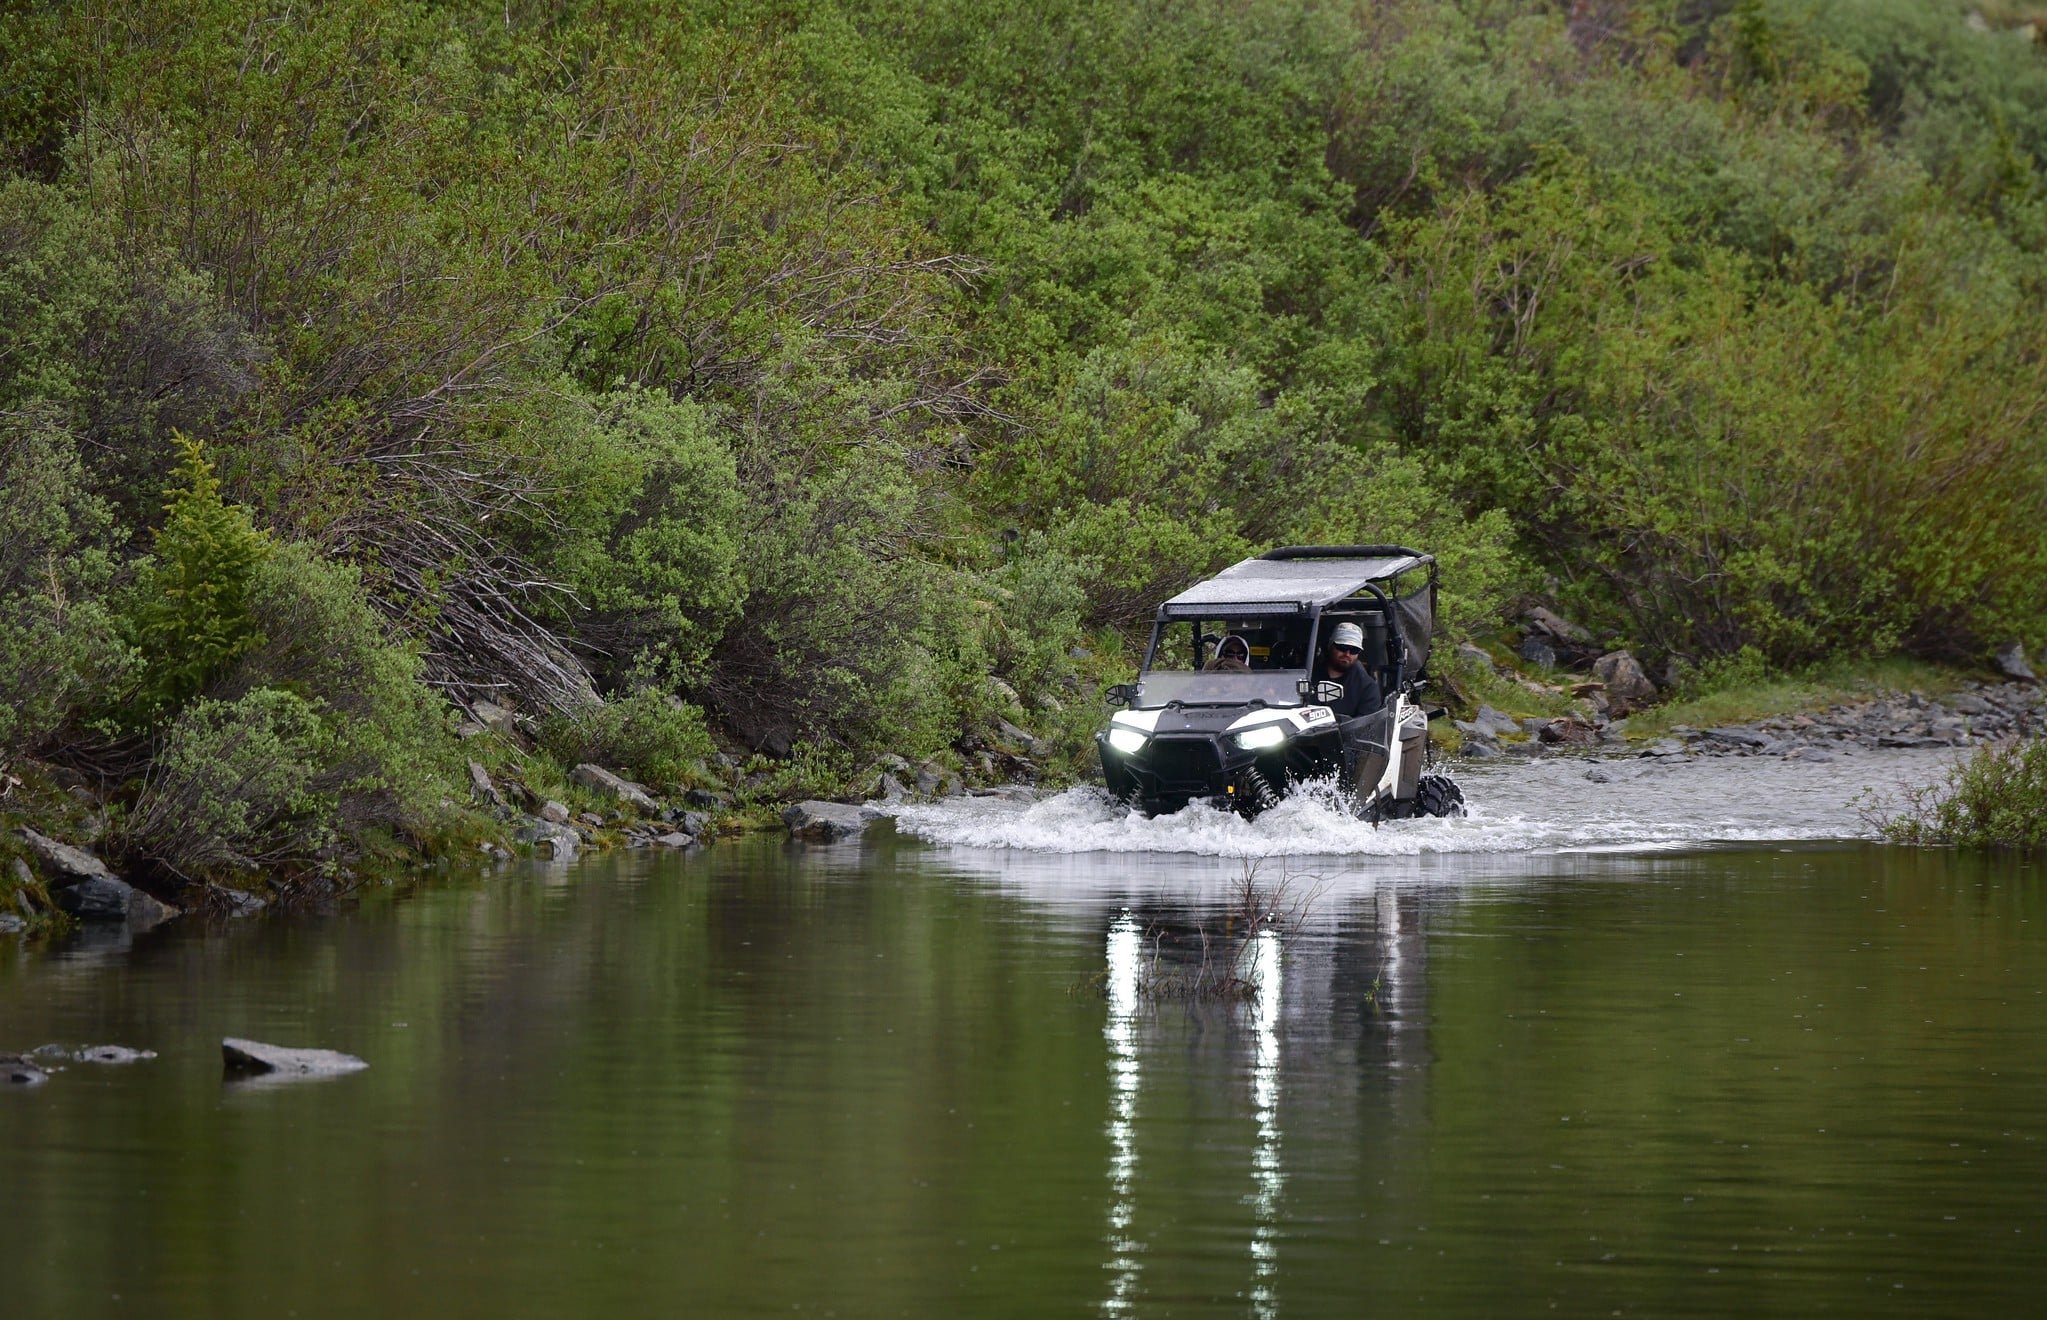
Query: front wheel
<point x="1255" y="794"/>
<point x="1438" y="795"/>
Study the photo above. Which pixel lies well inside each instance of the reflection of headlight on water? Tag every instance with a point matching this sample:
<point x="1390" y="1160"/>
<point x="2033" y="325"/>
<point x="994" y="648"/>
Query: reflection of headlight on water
<point x="1265" y="735"/>
<point x="1127" y="741"/>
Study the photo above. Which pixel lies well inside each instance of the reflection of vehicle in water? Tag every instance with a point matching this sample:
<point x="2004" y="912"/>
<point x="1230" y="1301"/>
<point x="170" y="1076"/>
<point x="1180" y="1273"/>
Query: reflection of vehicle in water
<point x="1249" y="735"/>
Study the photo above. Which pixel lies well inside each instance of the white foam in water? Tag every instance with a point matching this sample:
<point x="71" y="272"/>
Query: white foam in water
<point x="1548" y="805"/>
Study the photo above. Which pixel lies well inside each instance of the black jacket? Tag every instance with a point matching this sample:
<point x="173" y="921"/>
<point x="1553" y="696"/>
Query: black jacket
<point x="1361" y="694"/>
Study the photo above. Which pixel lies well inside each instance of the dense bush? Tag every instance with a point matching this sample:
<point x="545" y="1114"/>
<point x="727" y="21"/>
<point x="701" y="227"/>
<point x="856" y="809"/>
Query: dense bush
<point x="802" y="364"/>
<point x="61" y="649"/>
<point x="1995" y="799"/>
<point x="653" y="737"/>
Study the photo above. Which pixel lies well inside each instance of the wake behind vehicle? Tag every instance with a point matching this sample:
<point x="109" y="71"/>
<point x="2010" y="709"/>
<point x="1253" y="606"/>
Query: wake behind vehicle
<point x="1233" y="703"/>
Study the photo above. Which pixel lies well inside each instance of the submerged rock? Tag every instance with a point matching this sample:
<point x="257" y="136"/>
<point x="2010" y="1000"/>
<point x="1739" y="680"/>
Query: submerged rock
<point x="108" y="899"/>
<point x="112" y="1054"/>
<point x="823" y="822"/>
<point x="253" y="1056"/>
<point x="15" y="1070"/>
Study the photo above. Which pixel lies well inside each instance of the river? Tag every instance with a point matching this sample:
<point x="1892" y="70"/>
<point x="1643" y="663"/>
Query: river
<point x="1677" y="1043"/>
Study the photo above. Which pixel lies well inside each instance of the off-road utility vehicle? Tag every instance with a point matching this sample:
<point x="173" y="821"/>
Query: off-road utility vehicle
<point x="1247" y="731"/>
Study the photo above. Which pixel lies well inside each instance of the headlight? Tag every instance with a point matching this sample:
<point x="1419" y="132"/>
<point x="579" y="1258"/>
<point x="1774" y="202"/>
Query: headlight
<point x="1265" y="735"/>
<point x="1127" y="741"/>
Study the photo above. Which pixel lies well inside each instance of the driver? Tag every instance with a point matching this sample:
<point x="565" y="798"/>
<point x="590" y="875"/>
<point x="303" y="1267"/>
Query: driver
<point x="1361" y="694"/>
<point x="1232" y="656"/>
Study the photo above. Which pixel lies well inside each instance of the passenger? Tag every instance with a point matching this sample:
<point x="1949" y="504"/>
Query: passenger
<point x="1232" y="656"/>
<point x="1361" y="694"/>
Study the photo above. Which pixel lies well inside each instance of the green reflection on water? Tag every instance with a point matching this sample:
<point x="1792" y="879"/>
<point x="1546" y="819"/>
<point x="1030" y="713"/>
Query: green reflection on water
<point x="767" y="1080"/>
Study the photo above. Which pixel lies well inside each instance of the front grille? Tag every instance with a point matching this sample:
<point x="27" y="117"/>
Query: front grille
<point x="1184" y="765"/>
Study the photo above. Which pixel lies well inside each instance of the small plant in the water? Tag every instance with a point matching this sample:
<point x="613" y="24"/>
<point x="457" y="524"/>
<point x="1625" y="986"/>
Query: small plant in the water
<point x="1995" y="799"/>
<point x="1222" y="972"/>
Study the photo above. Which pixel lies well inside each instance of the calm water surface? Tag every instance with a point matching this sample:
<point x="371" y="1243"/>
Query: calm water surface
<point x="904" y="1077"/>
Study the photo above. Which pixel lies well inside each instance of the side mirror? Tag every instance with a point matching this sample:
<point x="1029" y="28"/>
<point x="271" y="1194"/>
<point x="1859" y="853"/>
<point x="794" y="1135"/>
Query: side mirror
<point x="1121" y="694"/>
<point x="1327" y="692"/>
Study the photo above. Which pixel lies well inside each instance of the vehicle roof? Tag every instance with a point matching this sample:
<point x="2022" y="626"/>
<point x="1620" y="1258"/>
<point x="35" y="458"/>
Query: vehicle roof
<point x="1295" y="578"/>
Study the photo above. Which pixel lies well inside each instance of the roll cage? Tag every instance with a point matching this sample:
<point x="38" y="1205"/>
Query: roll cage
<point x="1291" y="596"/>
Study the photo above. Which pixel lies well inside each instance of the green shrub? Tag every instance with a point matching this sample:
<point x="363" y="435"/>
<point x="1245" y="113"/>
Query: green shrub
<point x="656" y="738"/>
<point x="60" y="644"/>
<point x="189" y="615"/>
<point x="1040" y="600"/>
<point x="1995" y="799"/>
<point x="237" y="785"/>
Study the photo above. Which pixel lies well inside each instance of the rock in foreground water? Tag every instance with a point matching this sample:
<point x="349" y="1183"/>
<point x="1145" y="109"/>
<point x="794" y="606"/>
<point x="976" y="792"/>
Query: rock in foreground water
<point x="822" y="822"/>
<point x="244" y="1057"/>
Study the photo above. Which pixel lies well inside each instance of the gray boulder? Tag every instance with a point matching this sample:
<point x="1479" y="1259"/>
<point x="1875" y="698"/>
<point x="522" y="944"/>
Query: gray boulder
<point x="111" y="1054"/>
<point x="1476" y="658"/>
<point x="11" y="924"/>
<point x="599" y="780"/>
<point x="1548" y="621"/>
<point x="2011" y="662"/>
<point x="1568" y="732"/>
<point x="104" y="898"/>
<point x="18" y="1071"/>
<point x="495" y="718"/>
<point x="935" y="779"/>
<point x="674" y="839"/>
<point x="554" y="813"/>
<point x="480" y="787"/>
<point x="1536" y="649"/>
<point x="822" y="822"/>
<point x="63" y="863"/>
<point x="559" y="841"/>
<point x="1627" y="687"/>
<point x="253" y="1056"/>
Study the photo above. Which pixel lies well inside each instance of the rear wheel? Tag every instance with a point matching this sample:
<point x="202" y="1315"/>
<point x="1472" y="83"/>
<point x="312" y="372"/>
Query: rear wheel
<point x="1438" y="795"/>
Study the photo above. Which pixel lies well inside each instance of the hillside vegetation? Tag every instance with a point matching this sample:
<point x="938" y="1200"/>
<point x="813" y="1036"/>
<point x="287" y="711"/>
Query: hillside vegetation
<point x="777" y="372"/>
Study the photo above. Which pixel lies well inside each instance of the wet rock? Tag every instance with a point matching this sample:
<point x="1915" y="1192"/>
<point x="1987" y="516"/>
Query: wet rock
<point x="554" y="813"/>
<point x="482" y="789"/>
<point x="223" y="901"/>
<point x="63" y="863"/>
<point x="11" y="924"/>
<point x="822" y="822"/>
<point x="599" y="780"/>
<point x="934" y="778"/>
<point x="1739" y="737"/>
<point x="1627" y="686"/>
<point x="1598" y="776"/>
<point x="674" y="839"/>
<point x="1480" y="749"/>
<point x="1666" y="747"/>
<point x="15" y="1070"/>
<point x="111" y="1054"/>
<point x="559" y="840"/>
<point x="108" y="899"/>
<point x="253" y="1056"/>
<point x="2011" y="662"/>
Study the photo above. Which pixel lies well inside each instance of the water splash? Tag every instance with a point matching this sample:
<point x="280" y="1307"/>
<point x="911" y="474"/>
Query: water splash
<point x="1559" y="805"/>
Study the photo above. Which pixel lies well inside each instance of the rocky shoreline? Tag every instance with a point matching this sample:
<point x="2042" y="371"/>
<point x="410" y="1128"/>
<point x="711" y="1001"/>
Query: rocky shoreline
<point x="1975" y="713"/>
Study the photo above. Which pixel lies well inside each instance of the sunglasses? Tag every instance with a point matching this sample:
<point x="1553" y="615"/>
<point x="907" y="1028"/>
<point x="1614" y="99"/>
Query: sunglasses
<point x="1346" y="650"/>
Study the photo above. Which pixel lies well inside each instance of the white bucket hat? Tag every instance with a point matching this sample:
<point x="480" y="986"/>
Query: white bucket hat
<point x="1348" y="634"/>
